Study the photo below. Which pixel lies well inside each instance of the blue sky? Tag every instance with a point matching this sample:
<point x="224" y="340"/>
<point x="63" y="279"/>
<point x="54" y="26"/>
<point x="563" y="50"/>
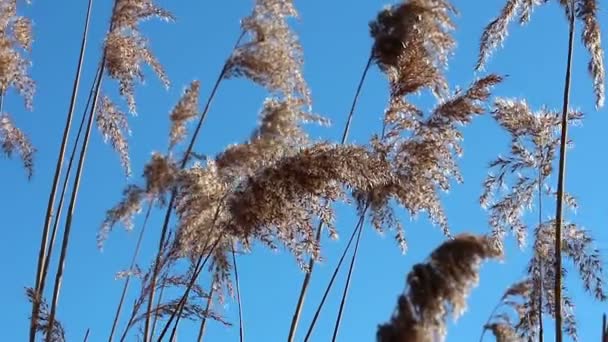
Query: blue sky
<point x="336" y="45"/>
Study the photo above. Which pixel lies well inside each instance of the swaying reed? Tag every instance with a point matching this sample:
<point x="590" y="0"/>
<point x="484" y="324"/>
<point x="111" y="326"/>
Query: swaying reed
<point x="523" y="299"/>
<point x="436" y="289"/>
<point x="15" y="42"/>
<point x="46" y="246"/>
<point x="535" y="138"/>
<point x="279" y="187"/>
<point x="586" y="12"/>
<point x="125" y="15"/>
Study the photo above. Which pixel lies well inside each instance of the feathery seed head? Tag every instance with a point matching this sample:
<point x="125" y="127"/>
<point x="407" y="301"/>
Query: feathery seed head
<point x="185" y="110"/>
<point x="114" y="127"/>
<point x="435" y="288"/>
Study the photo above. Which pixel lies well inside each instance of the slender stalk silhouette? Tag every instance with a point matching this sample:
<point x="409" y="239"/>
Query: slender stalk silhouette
<point x="348" y="279"/>
<point x="201" y="331"/>
<point x="186" y="158"/>
<point x="540" y="282"/>
<point x="72" y="204"/>
<point x="238" y="296"/>
<point x="561" y="179"/>
<point x="306" y="282"/>
<point x="125" y="287"/>
<point x="42" y="253"/>
<point x="332" y="279"/>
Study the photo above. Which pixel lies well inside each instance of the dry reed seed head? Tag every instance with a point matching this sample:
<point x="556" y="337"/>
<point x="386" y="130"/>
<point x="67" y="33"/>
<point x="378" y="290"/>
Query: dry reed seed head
<point x="42" y="324"/>
<point x="280" y="202"/>
<point x="12" y="140"/>
<point x="15" y="40"/>
<point x="279" y="134"/>
<point x="114" y="127"/>
<point x="123" y="212"/>
<point x="185" y="110"/>
<point x="199" y="193"/>
<point x="503" y="332"/>
<point x="125" y="54"/>
<point x="586" y="11"/>
<point x="272" y="56"/>
<point x="412" y="43"/>
<point x="160" y="174"/>
<point x="435" y="288"/>
<point x="516" y="317"/>
<point x="581" y="249"/>
<point x="424" y="161"/>
<point x="534" y="140"/>
<point x="129" y="13"/>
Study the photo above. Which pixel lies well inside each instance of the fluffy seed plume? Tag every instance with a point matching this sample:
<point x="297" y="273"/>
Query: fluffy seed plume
<point x="412" y="43"/>
<point x="534" y="142"/>
<point x="272" y="56"/>
<point x="12" y="140"/>
<point x="185" y="110"/>
<point x="437" y="288"/>
<point x="586" y="12"/>
<point x="159" y="175"/>
<point x="114" y="127"/>
<point x="510" y="313"/>
<point x="423" y="152"/>
<point x="42" y="324"/>
<point x="15" y="39"/>
<point x="126" y="48"/>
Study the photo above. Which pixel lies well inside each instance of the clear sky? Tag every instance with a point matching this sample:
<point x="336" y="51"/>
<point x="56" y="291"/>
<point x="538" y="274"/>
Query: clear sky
<point x="336" y="45"/>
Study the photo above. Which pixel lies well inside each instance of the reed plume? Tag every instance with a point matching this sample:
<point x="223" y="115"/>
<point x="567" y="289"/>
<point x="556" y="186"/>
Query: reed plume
<point x="585" y="12"/>
<point x="272" y="55"/>
<point x="535" y="138"/>
<point x="517" y="312"/>
<point x="15" y="43"/>
<point x="114" y="127"/>
<point x="534" y="142"/>
<point x="54" y="333"/>
<point x="14" y="140"/>
<point x="437" y="288"/>
<point x="126" y="48"/>
<point x="123" y="40"/>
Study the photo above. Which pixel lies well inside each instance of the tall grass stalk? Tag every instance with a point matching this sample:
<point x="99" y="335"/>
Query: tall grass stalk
<point x="125" y="287"/>
<point x="186" y="158"/>
<point x="332" y="279"/>
<point x="306" y="282"/>
<point x="72" y="203"/>
<point x="561" y="179"/>
<point x="42" y="253"/>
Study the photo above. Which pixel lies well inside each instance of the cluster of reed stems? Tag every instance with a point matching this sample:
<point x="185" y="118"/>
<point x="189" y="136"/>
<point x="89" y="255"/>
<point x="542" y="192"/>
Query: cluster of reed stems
<point x="279" y="187"/>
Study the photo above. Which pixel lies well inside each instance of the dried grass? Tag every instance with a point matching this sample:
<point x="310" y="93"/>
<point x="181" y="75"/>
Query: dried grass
<point x="437" y="288"/>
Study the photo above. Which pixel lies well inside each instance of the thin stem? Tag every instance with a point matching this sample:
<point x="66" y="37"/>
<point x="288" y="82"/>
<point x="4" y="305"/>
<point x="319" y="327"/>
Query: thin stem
<point x="185" y="159"/>
<point x="332" y="279"/>
<point x="311" y="263"/>
<point x="42" y="253"/>
<point x="64" y="187"/>
<point x="160" y="300"/>
<point x="176" y="314"/>
<point x="128" y="280"/>
<point x="1" y="101"/>
<point x="201" y="331"/>
<point x="72" y="205"/>
<point x="348" y="279"/>
<point x="561" y="182"/>
<point x="238" y="295"/>
<point x="540" y="265"/>
<point x="484" y="329"/>
<point x="86" y="335"/>
<point x="355" y="99"/>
